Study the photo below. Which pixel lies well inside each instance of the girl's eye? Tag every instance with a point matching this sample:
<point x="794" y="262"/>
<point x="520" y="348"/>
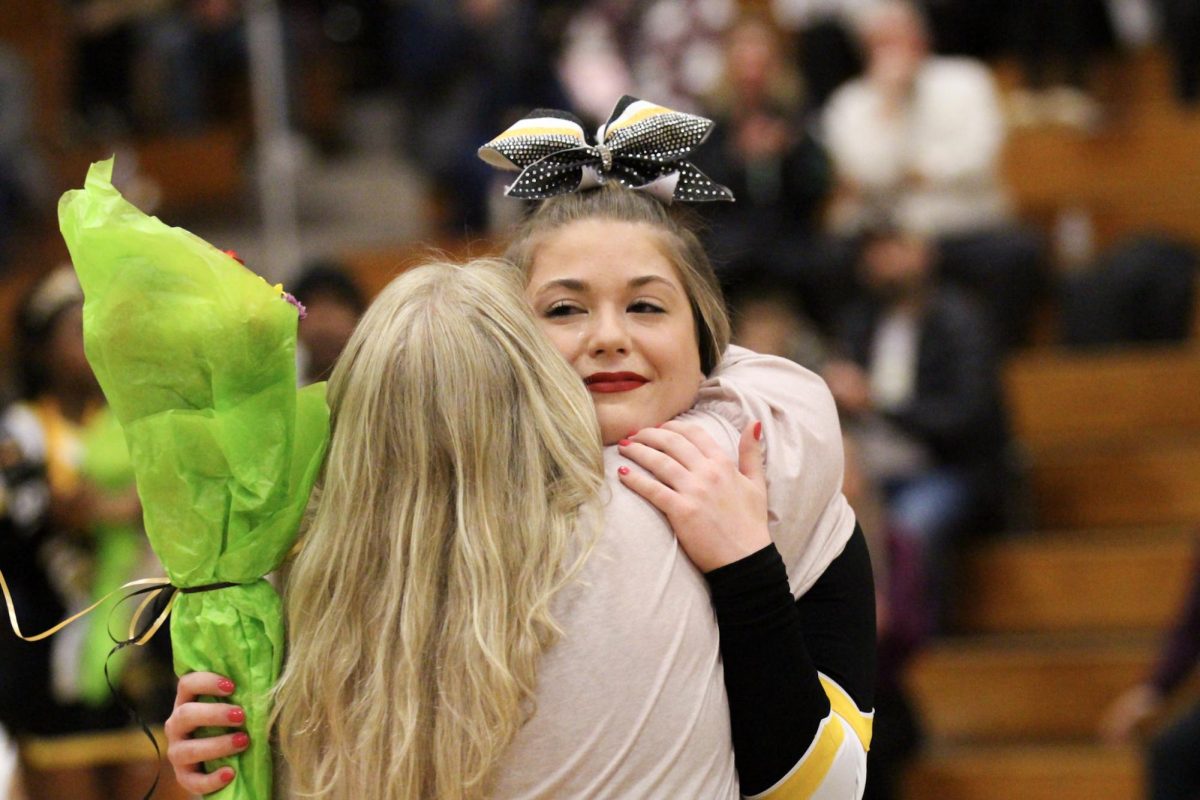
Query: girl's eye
<point x="563" y="309"/>
<point x="645" y="307"/>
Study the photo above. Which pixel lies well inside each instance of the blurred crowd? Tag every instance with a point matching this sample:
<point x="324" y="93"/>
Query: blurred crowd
<point x="873" y="240"/>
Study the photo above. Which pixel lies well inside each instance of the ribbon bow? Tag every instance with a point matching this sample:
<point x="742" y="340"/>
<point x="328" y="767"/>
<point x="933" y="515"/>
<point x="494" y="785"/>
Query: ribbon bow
<point x="642" y="145"/>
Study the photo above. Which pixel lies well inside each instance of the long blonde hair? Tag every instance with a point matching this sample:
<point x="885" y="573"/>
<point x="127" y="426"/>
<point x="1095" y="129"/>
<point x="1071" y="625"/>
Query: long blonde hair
<point x="463" y="452"/>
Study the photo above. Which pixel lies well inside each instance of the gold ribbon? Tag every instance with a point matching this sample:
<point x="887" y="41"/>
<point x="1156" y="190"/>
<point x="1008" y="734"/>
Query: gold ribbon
<point x="160" y="585"/>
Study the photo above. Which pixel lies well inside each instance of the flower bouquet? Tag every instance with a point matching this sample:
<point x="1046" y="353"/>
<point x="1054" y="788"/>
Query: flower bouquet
<point x="196" y="355"/>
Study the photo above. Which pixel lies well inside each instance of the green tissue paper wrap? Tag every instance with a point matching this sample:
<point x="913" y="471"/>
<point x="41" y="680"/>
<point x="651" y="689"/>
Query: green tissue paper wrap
<point x="196" y="355"/>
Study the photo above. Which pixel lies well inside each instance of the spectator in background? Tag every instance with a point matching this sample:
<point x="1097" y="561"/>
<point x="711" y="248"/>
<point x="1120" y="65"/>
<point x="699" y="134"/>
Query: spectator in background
<point x="1057" y="44"/>
<point x="918" y="387"/>
<point x="143" y="65"/>
<point x="920" y="137"/>
<point x="1174" y="769"/>
<point x="462" y="68"/>
<point x="19" y="164"/>
<point x="828" y="55"/>
<point x="761" y="149"/>
<point x="666" y="49"/>
<point x="1181" y="32"/>
<point x="53" y="558"/>
<point x="105" y="37"/>
<point x="194" y="58"/>
<point x="1141" y="291"/>
<point x="768" y="319"/>
<point x="973" y="28"/>
<point x="332" y="303"/>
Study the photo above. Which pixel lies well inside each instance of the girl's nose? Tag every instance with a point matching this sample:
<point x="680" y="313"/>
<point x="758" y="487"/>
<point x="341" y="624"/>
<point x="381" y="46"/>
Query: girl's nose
<point x="608" y="334"/>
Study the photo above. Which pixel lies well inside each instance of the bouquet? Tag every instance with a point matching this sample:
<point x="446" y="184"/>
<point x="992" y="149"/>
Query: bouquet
<point x="196" y="356"/>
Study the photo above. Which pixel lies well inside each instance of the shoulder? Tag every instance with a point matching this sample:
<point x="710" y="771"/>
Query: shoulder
<point x="746" y="382"/>
<point x="852" y="98"/>
<point x="802" y="439"/>
<point x="957" y="74"/>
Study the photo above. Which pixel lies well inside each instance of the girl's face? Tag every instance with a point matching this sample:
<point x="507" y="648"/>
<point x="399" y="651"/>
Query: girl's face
<point x="613" y="305"/>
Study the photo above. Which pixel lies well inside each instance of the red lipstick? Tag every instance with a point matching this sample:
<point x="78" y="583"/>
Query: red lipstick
<point x="605" y="382"/>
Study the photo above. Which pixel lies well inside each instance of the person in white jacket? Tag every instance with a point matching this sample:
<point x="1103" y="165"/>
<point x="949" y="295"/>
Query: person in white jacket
<point x="917" y="140"/>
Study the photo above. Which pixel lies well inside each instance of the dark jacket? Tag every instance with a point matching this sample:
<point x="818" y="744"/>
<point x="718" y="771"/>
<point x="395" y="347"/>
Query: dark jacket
<point x="956" y="409"/>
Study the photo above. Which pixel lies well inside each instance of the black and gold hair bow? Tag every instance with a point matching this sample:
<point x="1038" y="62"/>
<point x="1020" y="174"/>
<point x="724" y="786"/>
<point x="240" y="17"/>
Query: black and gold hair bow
<point x="643" y="146"/>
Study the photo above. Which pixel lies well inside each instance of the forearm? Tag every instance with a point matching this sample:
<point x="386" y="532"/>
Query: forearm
<point x="796" y="726"/>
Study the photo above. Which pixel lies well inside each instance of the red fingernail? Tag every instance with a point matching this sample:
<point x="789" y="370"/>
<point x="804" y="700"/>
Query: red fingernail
<point x="631" y="434"/>
<point x="227" y="775"/>
<point x="225" y="685"/>
<point x="237" y="715"/>
<point x="758" y="430"/>
<point x="622" y="470"/>
<point x="241" y="740"/>
<point x="623" y="442"/>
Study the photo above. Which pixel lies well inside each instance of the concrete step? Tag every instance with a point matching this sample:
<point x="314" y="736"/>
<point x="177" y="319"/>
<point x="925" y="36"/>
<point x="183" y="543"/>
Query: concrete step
<point x="1024" y="688"/>
<point x="1027" y="772"/>
<point x="1123" y="579"/>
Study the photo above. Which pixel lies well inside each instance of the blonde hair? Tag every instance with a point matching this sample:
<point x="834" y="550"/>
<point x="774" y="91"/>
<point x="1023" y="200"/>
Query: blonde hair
<point x="677" y="238"/>
<point x="463" y="453"/>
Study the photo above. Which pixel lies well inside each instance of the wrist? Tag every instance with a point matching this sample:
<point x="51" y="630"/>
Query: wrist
<point x="754" y="579"/>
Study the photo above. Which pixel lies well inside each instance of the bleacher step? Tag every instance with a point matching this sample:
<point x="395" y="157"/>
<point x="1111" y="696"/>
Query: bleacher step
<point x="1123" y="579"/>
<point x="189" y="171"/>
<point x="1028" y="772"/>
<point x="1032" y="688"/>
<point x="1059" y="396"/>
<point x="1137" y="480"/>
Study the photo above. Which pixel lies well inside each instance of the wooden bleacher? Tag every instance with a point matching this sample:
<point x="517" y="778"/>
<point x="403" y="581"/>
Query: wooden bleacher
<point x="1061" y="398"/>
<point x="1056" y="622"/>
<point x="1041" y="772"/>
<point x="187" y="172"/>
<point x="1138" y="172"/>
<point x="1061" y="620"/>
<point x="1014" y="688"/>
<point x="373" y="268"/>
<point x="199" y="169"/>
<point x="1088" y="580"/>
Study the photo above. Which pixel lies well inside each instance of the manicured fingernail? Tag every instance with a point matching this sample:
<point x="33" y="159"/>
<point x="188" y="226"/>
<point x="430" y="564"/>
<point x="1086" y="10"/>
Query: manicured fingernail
<point x="237" y="715"/>
<point x="225" y="685"/>
<point x="227" y="774"/>
<point x="624" y="443"/>
<point x="622" y="470"/>
<point x="241" y="740"/>
<point x="758" y="430"/>
<point x="631" y="434"/>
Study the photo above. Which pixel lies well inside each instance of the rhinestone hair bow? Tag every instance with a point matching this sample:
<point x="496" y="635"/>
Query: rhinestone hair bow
<point x="642" y="145"/>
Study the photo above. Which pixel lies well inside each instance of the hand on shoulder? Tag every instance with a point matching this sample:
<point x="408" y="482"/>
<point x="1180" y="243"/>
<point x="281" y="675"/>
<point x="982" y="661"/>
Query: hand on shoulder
<point x="717" y="507"/>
